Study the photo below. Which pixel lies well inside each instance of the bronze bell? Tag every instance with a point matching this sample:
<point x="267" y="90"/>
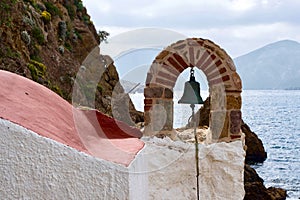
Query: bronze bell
<point x="191" y="93"/>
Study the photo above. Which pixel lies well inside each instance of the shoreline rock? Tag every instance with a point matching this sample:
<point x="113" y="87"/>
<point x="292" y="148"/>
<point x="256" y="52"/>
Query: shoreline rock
<point x="255" y="152"/>
<point x="255" y="189"/>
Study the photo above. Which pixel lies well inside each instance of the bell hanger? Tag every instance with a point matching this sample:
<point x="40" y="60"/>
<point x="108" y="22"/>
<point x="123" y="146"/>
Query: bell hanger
<point x="191" y="93"/>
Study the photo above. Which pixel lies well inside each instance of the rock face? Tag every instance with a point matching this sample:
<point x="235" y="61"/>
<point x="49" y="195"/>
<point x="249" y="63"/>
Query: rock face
<point x="47" y="41"/>
<point x="49" y="49"/>
<point x="203" y="112"/>
<point x="254" y="185"/>
<point x="255" y="149"/>
<point x="112" y="99"/>
<point x="255" y="189"/>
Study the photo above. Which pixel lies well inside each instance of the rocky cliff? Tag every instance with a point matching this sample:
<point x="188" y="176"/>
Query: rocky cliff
<point x="47" y="40"/>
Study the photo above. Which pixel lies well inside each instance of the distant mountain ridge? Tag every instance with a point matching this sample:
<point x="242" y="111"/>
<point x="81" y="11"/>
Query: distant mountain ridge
<point x="274" y="66"/>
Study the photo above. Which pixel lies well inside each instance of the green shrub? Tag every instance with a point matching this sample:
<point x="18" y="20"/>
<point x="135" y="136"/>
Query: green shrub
<point x="35" y="57"/>
<point x="68" y="46"/>
<point x="8" y="52"/>
<point x="35" y="52"/>
<point x="62" y="29"/>
<point x="28" y="21"/>
<point x="38" y="34"/>
<point x="52" y="9"/>
<point x="4" y="6"/>
<point x="78" y="34"/>
<point x="6" y="20"/>
<point x="79" y="5"/>
<point x="103" y="36"/>
<point x="87" y="19"/>
<point x="25" y="37"/>
<point x="31" y="1"/>
<point x="71" y="11"/>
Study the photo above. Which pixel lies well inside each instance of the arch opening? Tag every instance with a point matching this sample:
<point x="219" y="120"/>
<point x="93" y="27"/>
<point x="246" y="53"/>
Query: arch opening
<point x="182" y="112"/>
<point x="223" y="81"/>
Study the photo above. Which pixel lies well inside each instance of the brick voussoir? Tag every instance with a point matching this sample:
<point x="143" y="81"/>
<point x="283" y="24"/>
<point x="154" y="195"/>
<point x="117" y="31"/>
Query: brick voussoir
<point x="165" y="82"/>
<point x="207" y="63"/>
<point x="181" y="61"/>
<point x="203" y="58"/>
<point x="219" y="80"/>
<point x="215" y="73"/>
<point x="162" y="74"/>
<point x="175" y="64"/>
<point x="192" y="56"/>
<point x="171" y="70"/>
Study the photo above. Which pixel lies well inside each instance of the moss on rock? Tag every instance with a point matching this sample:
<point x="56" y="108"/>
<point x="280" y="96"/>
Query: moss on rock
<point x="37" y="70"/>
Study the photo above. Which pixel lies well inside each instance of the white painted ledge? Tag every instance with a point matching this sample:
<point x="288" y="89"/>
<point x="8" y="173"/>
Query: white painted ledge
<point x="35" y="167"/>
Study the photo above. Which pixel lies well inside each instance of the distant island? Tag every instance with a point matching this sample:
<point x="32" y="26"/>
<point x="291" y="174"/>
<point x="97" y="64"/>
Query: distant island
<point x="274" y="66"/>
<point x="293" y="88"/>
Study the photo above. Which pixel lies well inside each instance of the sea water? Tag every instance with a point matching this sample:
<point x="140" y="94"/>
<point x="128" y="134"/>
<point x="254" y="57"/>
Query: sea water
<point x="274" y="116"/>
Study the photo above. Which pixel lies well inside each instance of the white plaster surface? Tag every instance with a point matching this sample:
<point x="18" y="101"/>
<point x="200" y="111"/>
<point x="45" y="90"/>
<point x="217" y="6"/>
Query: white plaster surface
<point x="138" y="178"/>
<point x="172" y="170"/>
<point x="34" y="167"/>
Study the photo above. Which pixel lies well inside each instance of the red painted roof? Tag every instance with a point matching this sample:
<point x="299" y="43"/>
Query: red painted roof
<point x="37" y="108"/>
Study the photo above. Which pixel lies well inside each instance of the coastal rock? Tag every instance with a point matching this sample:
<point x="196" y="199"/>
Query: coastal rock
<point x="255" y="189"/>
<point x="277" y="193"/>
<point x="205" y="111"/>
<point x="255" y="150"/>
<point x="254" y="185"/>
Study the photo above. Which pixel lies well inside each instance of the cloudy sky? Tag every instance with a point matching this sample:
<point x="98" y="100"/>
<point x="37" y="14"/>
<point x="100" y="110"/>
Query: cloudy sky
<point x="238" y="26"/>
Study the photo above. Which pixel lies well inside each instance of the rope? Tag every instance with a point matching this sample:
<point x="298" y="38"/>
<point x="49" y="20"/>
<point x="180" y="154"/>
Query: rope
<point x="196" y="148"/>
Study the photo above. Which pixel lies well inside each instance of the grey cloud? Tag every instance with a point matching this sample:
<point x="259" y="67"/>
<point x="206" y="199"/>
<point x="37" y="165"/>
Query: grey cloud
<point x="141" y="14"/>
<point x="237" y="29"/>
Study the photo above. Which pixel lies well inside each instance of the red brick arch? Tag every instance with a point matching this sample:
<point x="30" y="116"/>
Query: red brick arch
<point x="224" y="87"/>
